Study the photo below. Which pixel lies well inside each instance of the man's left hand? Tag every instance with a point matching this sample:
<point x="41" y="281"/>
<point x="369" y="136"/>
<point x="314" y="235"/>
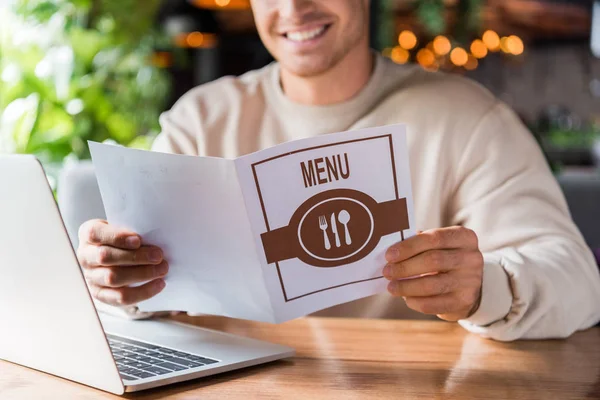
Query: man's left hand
<point x="439" y="272"/>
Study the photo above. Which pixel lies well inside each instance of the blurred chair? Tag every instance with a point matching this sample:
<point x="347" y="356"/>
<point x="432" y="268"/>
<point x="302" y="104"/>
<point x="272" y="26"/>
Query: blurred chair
<point x="79" y="197"/>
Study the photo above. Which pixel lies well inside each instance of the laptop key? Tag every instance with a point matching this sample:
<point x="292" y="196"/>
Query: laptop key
<point x="139" y="365"/>
<point x="180" y="354"/>
<point x="206" y="360"/>
<point x="126" y="370"/>
<point x="122" y="353"/>
<point x="147" y="352"/>
<point x="128" y="378"/>
<point x="142" y="374"/>
<point x="128" y="361"/>
<point x="181" y="361"/>
<point x="139" y="357"/>
<point x="156" y="370"/>
<point x="167" y="351"/>
<point x="153" y="361"/>
<point x="202" y="360"/>
<point x="162" y="356"/>
<point x="171" y="366"/>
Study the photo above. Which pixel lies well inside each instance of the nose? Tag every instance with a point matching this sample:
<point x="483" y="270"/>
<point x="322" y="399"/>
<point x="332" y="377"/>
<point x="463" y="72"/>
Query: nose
<point x="295" y="9"/>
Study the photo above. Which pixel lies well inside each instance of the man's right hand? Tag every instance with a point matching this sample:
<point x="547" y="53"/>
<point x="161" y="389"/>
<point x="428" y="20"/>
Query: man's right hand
<point x="114" y="259"/>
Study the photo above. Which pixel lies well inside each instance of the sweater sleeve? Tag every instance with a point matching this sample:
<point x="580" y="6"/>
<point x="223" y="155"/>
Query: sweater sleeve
<point x="540" y="279"/>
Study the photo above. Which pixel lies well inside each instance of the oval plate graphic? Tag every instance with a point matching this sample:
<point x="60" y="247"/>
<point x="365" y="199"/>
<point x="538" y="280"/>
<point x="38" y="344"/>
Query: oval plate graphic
<point x="335" y="228"/>
<point x="346" y="240"/>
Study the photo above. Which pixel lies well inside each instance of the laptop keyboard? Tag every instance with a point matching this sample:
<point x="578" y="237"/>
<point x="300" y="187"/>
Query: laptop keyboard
<point x="138" y="360"/>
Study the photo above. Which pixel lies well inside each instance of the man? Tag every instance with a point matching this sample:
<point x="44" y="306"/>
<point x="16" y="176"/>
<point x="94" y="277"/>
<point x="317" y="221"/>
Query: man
<point x="509" y="263"/>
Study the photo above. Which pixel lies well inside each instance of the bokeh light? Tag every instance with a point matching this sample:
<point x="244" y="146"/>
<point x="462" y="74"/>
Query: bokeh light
<point x="491" y="40"/>
<point x="442" y="45"/>
<point x="195" y="39"/>
<point x="400" y="55"/>
<point x="426" y="58"/>
<point x="459" y="56"/>
<point x="479" y="49"/>
<point x="504" y="44"/>
<point x="407" y="40"/>
<point x="515" y="45"/>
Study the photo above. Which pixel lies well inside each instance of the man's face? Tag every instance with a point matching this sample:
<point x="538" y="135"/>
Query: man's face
<point x="308" y="37"/>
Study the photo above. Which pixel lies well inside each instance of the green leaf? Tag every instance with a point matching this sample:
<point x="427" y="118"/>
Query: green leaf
<point x="20" y="116"/>
<point x="86" y="44"/>
<point x="41" y="11"/>
<point x="122" y="129"/>
<point x="431" y="15"/>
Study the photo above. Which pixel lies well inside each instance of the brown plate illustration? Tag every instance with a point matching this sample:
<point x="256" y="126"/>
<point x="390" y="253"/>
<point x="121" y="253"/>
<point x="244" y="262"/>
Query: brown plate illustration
<point x="334" y="228"/>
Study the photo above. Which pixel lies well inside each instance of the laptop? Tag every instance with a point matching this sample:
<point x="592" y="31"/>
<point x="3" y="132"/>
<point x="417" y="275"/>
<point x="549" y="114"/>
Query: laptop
<point x="49" y="321"/>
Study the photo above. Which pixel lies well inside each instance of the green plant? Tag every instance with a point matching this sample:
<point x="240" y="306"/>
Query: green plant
<point x="78" y="70"/>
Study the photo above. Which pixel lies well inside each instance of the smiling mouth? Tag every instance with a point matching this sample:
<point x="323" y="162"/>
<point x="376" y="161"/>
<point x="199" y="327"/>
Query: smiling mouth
<point x="306" y="35"/>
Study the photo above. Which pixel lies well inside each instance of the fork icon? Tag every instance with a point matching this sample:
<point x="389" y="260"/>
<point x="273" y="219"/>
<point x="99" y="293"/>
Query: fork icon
<point x="323" y="226"/>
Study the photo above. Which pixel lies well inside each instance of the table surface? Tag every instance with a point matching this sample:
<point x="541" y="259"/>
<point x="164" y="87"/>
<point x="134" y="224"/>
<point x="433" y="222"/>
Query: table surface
<point x="363" y="358"/>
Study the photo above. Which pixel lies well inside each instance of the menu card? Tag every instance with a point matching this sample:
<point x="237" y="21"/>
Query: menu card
<point x="272" y="235"/>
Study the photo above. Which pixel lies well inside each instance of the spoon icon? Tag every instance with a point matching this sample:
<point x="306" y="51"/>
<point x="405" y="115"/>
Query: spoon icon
<point x="344" y="218"/>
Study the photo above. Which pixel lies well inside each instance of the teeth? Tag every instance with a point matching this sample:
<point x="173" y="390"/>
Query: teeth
<point x="302" y="36"/>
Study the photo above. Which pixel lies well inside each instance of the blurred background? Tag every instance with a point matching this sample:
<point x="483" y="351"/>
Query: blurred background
<point x="78" y="70"/>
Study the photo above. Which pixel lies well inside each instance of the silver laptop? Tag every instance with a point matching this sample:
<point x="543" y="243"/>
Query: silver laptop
<point x="49" y="321"/>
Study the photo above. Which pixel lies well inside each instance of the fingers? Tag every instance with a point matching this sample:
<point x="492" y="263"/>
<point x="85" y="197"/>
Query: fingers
<point x="127" y="295"/>
<point x="115" y="277"/>
<point x="432" y="285"/>
<point x="99" y="232"/>
<point x="94" y="256"/>
<point x="432" y="305"/>
<point x="436" y="239"/>
<point x="432" y="261"/>
<point x="450" y="307"/>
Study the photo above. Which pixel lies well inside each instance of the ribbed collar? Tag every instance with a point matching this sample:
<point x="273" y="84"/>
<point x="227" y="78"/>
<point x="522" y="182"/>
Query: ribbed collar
<point x="325" y="118"/>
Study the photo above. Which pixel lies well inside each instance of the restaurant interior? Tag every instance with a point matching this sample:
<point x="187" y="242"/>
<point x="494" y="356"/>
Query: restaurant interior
<point x="105" y="70"/>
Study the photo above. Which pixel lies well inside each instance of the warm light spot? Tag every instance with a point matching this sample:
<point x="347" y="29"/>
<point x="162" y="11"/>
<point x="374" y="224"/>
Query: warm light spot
<point x="400" y="55"/>
<point x="472" y="63"/>
<point x="407" y="40"/>
<point x="219" y="4"/>
<point x="162" y="59"/>
<point x="442" y="45"/>
<point x="504" y="44"/>
<point x="515" y="45"/>
<point x="479" y="49"/>
<point x="195" y="39"/>
<point x="459" y="56"/>
<point x="426" y="58"/>
<point x="491" y="40"/>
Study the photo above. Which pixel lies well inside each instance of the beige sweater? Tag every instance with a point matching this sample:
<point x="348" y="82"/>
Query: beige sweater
<point x="472" y="163"/>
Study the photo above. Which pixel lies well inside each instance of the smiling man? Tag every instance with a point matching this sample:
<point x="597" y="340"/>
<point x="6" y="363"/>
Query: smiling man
<point x="498" y="252"/>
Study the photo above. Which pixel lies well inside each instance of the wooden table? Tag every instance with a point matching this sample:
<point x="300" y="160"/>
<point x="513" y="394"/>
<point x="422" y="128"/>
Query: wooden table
<point x="359" y="359"/>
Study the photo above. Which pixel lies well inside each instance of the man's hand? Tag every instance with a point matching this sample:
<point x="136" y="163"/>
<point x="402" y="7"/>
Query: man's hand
<point x="113" y="259"/>
<point x="437" y="272"/>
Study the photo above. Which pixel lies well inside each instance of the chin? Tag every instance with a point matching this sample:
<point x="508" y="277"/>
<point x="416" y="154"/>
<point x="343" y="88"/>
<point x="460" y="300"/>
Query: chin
<point x="307" y="66"/>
